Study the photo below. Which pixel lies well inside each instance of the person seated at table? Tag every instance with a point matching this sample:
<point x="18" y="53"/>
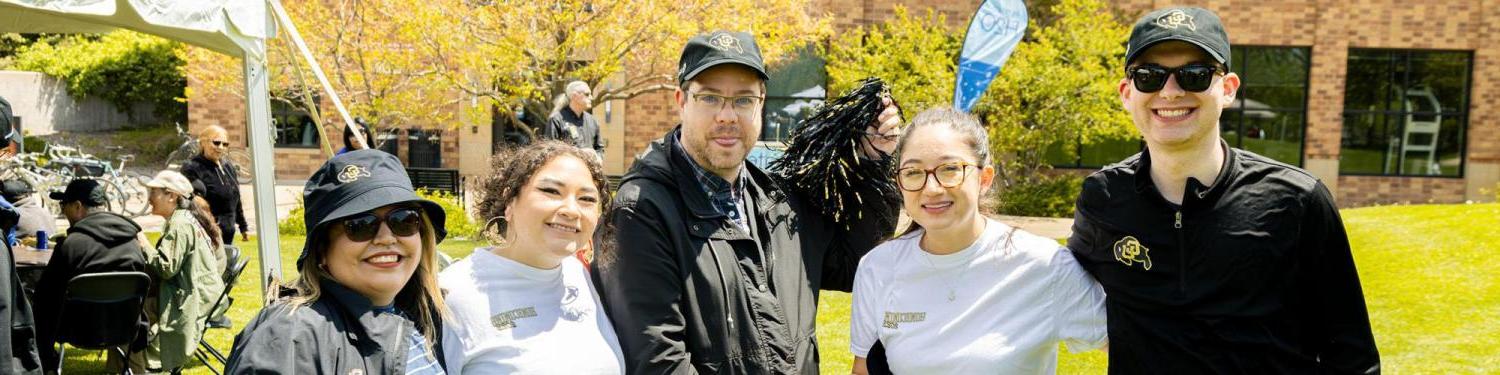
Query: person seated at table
<point x="34" y="217"/>
<point x="188" y="267"/>
<point x="97" y="241"/>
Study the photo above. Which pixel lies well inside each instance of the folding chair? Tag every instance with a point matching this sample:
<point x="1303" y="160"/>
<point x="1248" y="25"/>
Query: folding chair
<point x="101" y="312"/>
<point x="231" y="274"/>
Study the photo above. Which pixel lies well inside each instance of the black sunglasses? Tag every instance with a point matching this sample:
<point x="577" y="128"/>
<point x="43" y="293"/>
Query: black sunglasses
<point x="1151" y="78"/>
<point x="363" y="227"/>
<point x="221" y="143"/>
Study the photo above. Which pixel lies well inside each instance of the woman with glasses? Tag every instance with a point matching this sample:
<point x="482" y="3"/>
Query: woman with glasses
<point x="526" y="305"/>
<point x="367" y="301"/>
<point x="959" y="292"/>
<point x="221" y="184"/>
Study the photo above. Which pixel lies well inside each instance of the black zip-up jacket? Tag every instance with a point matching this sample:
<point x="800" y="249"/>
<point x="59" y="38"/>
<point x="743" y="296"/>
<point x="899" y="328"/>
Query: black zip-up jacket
<point x="17" y="344"/>
<point x="1251" y="275"/>
<point x="222" y="185"/>
<point x="99" y="242"/>
<point x="690" y="292"/>
<point x="340" y="333"/>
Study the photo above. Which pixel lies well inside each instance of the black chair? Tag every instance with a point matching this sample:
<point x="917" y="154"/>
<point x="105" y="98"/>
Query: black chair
<point x="101" y="311"/>
<point x="231" y="275"/>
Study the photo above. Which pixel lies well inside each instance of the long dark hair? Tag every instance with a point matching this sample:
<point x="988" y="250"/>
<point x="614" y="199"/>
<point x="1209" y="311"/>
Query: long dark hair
<point x="974" y="135"/>
<point x="199" y="208"/>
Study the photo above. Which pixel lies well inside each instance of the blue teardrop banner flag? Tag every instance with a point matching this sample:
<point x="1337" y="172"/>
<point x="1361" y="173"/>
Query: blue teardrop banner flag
<point x="993" y="34"/>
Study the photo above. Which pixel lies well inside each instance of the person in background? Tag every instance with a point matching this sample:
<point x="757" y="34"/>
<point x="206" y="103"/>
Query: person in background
<point x="571" y="121"/>
<point x="368" y="300"/>
<point x="97" y="241"/>
<point x="18" y="340"/>
<point x="350" y="144"/>
<point x="34" y="217"/>
<point x="522" y="305"/>
<point x="188" y="266"/>
<point x="221" y="183"/>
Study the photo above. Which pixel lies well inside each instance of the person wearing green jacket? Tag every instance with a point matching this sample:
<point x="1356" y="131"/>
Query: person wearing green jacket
<point x="188" y="262"/>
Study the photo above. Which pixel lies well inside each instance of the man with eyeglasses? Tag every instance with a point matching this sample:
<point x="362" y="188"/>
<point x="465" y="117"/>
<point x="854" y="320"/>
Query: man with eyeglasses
<point x="1215" y="260"/>
<point x="220" y="182"/>
<point x="705" y="263"/>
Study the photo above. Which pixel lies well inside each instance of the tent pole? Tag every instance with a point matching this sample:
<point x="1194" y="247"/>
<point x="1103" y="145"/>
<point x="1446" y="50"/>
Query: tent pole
<point x="258" y="109"/>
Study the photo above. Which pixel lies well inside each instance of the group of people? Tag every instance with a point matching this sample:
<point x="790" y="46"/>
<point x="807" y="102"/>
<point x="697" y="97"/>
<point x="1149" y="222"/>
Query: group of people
<point x="185" y="264"/>
<point x="1189" y="257"/>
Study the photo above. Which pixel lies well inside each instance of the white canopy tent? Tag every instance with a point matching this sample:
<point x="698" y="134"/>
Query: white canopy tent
<point x="237" y="28"/>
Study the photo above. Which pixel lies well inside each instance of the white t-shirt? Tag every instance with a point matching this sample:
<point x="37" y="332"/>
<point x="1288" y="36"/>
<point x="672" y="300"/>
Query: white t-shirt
<point x="1011" y="305"/>
<point x="510" y="318"/>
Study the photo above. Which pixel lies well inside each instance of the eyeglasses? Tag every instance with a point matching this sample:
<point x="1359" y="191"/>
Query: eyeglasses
<point x="1151" y="78"/>
<point x="220" y="143"/>
<point x="402" y="221"/>
<point x="743" y="105"/>
<point x="948" y="175"/>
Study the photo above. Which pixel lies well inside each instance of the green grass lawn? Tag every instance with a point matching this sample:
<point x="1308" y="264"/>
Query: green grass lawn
<point x="1428" y="274"/>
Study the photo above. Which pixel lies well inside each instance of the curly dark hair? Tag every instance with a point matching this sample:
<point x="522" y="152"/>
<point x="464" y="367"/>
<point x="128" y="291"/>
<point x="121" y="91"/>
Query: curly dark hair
<point x="511" y="168"/>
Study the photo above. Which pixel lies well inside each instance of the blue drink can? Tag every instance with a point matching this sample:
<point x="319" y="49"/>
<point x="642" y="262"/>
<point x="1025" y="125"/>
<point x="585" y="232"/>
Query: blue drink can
<point x="41" y="240"/>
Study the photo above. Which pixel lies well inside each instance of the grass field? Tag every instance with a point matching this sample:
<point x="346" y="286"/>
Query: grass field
<point x="1427" y="270"/>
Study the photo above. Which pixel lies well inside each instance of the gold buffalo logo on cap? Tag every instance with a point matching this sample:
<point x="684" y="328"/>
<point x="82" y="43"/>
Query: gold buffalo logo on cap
<point x="352" y="173"/>
<point x="726" y="42"/>
<point x="1176" y="18"/>
<point x="1129" y="251"/>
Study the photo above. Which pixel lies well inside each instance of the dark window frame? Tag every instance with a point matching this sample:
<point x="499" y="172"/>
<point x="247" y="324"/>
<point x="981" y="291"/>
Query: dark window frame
<point x="1463" y="116"/>
<point x="291" y="111"/>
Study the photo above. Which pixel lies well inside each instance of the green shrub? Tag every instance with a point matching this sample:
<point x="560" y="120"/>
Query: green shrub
<point x="458" y="222"/>
<point x="294" y="225"/>
<point x="121" y="67"/>
<point x="1042" y="196"/>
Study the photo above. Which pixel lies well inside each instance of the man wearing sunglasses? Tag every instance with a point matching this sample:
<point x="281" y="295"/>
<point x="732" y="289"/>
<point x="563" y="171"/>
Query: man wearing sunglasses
<point x="707" y="265"/>
<point x="1215" y="260"/>
<point x="220" y="182"/>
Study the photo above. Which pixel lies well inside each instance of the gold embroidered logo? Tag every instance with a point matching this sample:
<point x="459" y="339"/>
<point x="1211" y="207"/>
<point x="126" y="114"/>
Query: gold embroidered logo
<point x="726" y="42"/>
<point x="1129" y="251"/>
<point x="352" y="173"/>
<point x="893" y="320"/>
<point x="507" y="320"/>
<point x="1176" y="18"/>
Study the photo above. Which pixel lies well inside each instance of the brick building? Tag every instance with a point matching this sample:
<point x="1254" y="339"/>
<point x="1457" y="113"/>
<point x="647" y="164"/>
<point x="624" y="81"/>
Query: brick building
<point x="1387" y="101"/>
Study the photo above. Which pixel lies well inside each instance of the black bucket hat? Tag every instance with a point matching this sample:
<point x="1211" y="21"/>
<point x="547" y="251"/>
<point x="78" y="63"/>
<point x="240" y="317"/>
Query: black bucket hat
<point x="356" y="182"/>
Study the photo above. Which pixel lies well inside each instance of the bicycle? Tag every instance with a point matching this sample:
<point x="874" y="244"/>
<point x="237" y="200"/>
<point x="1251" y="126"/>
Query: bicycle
<point x="189" y="149"/>
<point x="126" y="193"/>
<point x="29" y="168"/>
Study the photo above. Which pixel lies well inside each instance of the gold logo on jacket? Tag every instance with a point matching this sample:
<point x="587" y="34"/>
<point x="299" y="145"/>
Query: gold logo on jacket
<point x="1129" y="251"/>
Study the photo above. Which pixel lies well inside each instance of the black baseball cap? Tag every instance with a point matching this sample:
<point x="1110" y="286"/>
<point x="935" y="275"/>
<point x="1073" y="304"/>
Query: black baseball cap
<point x="1198" y="26"/>
<point x="355" y="182"/>
<point x="716" y="48"/>
<point x="13" y="190"/>
<point x="83" y="190"/>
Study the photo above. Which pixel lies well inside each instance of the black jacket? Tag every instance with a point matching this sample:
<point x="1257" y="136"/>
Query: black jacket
<point x="580" y="130"/>
<point x="340" y="333"/>
<point x="222" y="185"/>
<point x="1251" y="275"/>
<point x="18" y="344"/>
<point x="690" y="292"/>
<point x="100" y="242"/>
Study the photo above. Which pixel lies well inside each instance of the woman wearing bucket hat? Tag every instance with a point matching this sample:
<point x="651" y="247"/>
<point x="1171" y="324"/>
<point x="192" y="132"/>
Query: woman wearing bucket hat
<point x="367" y="301"/>
<point x="524" y="304"/>
<point x="188" y="265"/>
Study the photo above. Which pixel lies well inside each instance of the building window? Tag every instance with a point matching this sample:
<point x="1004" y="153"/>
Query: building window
<point x="294" y="126"/>
<point x="425" y="148"/>
<point x="1405" y="113"/>
<point x="1267" y="117"/>
<point x="1269" y="113"/>
<point x="796" y="87"/>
